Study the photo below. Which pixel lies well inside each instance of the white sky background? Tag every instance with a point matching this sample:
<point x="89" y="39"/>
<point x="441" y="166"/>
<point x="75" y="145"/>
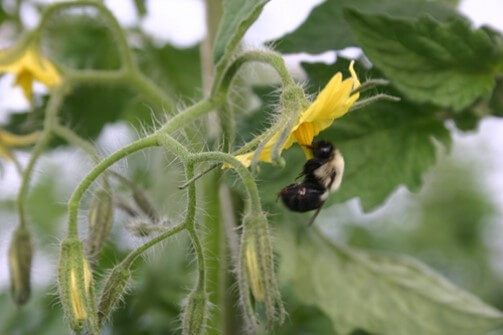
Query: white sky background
<point x="182" y="23"/>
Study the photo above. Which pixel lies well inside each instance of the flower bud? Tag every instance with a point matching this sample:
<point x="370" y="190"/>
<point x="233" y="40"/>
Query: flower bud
<point x="20" y="255"/>
<point x="74" y="283"/>
<point x="100" y="222"/>
<point x="114" y="289"/>
<point x="195" y="314"/>
<point x="257" y="271"/>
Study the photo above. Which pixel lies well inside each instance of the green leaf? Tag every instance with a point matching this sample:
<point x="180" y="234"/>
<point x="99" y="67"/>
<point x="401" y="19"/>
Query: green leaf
<point x="326" y="29"/>
<point x="177" y="71"/>
<point x="141" y="7"/>
<point x="448" y="64"/>
<point x="385" y="145"/>
<point x="81" y="42"/>
<point x="237" y="18"/>
<point x="378" y="293"/>
<point x="89" y="108"/>
<point x="496" y="102"/>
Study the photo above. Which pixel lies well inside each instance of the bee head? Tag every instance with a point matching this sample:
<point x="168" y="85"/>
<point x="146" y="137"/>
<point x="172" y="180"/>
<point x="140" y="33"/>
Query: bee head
<point x="322" y="149"/>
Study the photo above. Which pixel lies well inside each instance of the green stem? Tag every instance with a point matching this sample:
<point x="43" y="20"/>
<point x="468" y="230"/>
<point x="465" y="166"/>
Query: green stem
<point x="53" y="107"/>
<point x="133" y="255"/>
<point x="152" y="92"/>
<point x="101" y="77"/>
<point x="192" y="113"/>
<point x="241" y="170"/>
<point x="267" y="57"/>
<point x="179" y="121"/>
<point x="214" y="247"/>
<point x="71" y="137"/>
<point x="74" y="202"/>
<point x="124" y="52"/>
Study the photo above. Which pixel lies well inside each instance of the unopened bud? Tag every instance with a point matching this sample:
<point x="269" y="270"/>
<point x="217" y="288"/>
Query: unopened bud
<point x="74" y="281"/>
<point x="258" y="267"/>
<point x="114" y="289"/>
<point x="195" y="314"/>
<point x="100" y="222"/>
<point x="20" y="255"/>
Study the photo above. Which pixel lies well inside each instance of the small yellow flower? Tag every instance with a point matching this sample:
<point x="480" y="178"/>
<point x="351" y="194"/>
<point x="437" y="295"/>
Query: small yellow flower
<point x="29" y="66"/>
<point x="8" y="140"/>
<point x="334" y="101"/>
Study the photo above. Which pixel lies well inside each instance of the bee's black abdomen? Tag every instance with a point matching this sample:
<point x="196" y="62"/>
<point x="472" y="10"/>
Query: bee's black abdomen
<point x="302" y="197"/>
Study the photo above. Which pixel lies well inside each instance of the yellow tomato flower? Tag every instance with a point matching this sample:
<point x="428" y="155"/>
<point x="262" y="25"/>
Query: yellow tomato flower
<point x="334" y="101"/>
<point x="28" y="67"/>
<point x="8" y="140"/>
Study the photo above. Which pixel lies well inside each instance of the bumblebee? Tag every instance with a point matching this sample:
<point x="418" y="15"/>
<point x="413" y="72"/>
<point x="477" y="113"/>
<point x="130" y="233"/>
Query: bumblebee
<point x="322" y="175"/>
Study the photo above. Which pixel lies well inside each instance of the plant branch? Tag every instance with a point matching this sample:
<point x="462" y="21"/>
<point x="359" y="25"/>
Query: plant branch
<point x="73" y="204"/>
<point x="52" y="109"/>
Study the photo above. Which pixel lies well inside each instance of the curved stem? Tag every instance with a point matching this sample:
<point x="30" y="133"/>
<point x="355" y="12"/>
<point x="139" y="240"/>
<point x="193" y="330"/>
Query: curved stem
<point x="71" y="137"/>
<point x="50" y="119"/>
<point x="241" y="170"/>
<point x="190" y="114"/>
<point x="191" y="226"/>
<point x="73" y="204"/>
<point x="124" y="52"/>
<point x="133" y="255"/>
<point x="151" y="91"/>
<point x="178" y="121"/>
<point x="275" y="60"/>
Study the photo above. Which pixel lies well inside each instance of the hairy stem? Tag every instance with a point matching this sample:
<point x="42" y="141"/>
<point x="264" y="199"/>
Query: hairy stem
<point x="275" y="60"/>
<point x="241" y="170"/>
<point x="74" y="202"/>
<point x="125" y="53"/>
<point x="53" y="107"/>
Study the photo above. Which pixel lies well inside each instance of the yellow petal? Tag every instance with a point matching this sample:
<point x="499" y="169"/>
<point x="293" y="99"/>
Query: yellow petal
<point x="5" y="152"/>
<point x="30" y="66"/>
<point x="11" y="140"/>
<point x="25" y="81"/>
<point x="332" y="102"/>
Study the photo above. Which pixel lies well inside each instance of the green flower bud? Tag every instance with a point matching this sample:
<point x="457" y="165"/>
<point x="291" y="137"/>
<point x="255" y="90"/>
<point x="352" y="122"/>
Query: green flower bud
<point x="256" y="272"/>
<point x="20" y="255"/>
<point x="75" y="285"/>
<point x="114" y="289"/>
<point x="195" y="314"/>
<point x="100" y="222"/>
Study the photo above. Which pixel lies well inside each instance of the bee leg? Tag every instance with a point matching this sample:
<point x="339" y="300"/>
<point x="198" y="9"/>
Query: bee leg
<point x="311" y="220"/>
